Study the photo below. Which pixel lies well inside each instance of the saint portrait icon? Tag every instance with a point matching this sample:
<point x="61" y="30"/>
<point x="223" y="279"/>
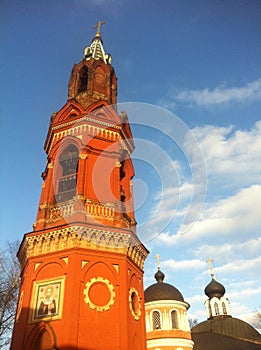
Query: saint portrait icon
<point x="47" y="299"/>
<point x="48" y="304"/>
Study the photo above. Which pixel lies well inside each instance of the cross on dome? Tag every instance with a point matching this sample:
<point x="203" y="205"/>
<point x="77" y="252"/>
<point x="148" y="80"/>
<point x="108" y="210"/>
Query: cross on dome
<point x="158" y="260"/>
<point x="210" y="263"/>
<point x="98" y="26"/>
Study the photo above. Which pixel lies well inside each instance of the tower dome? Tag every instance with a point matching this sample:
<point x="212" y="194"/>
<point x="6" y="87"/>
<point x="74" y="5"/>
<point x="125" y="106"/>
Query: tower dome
<point x="167" y="325"/>
<point x="161" y="290"/>
<point x="215" y="289"/>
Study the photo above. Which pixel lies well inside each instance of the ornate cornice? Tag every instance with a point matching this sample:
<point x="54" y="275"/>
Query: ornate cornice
<point x="85" y="118"/>
<point x="35" y="244"/>
<point x="95" y="127"/>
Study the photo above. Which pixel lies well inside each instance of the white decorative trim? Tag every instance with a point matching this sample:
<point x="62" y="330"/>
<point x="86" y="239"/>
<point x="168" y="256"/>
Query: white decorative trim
<point x="212" y="311"/>
<point x="174" y="342"/>
<point x="167" y="304"/>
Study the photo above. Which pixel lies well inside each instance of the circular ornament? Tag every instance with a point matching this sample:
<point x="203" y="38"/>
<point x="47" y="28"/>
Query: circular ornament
<point x="134" y="303"/>
<point x="99" y="294"/>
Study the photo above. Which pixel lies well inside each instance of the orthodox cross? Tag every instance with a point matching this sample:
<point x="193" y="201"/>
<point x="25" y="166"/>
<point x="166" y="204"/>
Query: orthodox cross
<point x="158" y="260"/>
<point x="210" y="263"/>
<point x="98" y="26"/>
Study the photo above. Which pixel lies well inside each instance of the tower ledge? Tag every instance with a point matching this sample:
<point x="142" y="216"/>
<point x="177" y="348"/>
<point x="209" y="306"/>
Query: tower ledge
<point x="77" y="236"/>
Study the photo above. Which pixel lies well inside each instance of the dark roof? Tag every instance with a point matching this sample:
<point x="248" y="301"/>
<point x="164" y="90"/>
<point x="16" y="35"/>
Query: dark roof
<point x="212" y="341"/>
<point x="215" y="289"/>
<point x="226" y="333"/>
<point x="161" y="290"/>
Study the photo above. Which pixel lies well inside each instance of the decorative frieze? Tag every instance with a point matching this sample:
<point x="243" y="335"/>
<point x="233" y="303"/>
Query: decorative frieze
<point x="83" y="237"/>
<point x="77" y="129"/>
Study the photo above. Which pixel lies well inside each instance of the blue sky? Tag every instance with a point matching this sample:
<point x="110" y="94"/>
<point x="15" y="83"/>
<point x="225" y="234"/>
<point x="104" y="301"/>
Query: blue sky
<point x="200" y="60"/>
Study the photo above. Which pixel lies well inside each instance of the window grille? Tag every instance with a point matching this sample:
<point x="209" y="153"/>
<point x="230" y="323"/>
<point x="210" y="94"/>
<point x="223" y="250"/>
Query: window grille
<point x="156" y="322"/>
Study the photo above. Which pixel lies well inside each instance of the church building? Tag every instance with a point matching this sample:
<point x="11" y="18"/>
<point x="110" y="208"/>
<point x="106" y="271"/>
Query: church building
<point x="221" y="330"/>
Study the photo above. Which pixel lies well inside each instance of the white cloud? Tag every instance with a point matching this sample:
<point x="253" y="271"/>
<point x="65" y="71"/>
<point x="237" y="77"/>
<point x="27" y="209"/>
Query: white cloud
<point x="241" y="266"/>
<point x="232" y="218"/>
<point x="183" y="264"/>
<point x="198" y="298"/>
<point x="172" y="201"/>
<point x="233" y="167"/>
<point x="239" y="309"/>
<point x="221" y="94"/>
<point x="245" y="294"/>
<point x="230" y="250"/>
<point x="230" y="156"/>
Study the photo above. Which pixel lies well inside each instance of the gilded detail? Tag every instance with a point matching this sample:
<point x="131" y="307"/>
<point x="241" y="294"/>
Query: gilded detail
<point x="107" y="288"/>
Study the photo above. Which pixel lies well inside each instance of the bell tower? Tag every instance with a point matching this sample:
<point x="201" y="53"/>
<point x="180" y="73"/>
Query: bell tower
<point x="82" y="265"/>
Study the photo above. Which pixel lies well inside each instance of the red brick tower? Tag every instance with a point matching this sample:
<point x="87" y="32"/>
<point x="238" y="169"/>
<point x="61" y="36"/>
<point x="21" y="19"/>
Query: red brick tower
<point x="82" y="266"/>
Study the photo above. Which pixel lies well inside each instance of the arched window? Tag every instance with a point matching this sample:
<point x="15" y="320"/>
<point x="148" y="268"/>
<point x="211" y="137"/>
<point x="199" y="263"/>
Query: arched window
<point x="216" y="308"/>
<point x="174" y="320"/>
<point x="67" y="182"/>
<point x="224" y="308"/>
<point x="156" y="322"/>
<point x="83" y="79"/>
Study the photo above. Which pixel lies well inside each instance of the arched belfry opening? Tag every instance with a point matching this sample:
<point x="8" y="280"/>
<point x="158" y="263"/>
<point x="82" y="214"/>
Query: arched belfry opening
<point x="68" y="162"/>
<point x="83" y="79"/>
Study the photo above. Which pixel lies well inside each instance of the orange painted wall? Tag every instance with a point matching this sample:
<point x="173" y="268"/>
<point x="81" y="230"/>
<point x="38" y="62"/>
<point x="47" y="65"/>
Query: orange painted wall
<point x="81" y="327"/>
